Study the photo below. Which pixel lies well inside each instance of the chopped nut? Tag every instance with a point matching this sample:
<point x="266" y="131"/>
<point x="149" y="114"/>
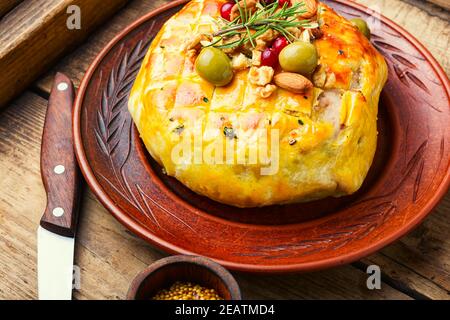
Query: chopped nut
<point x="320" y="77"/>
<point x="296" y="32"/>
<point x="266" y="91"/>
<point x="260" y="76"/>
<point x="240" y="62"/>
<point x="256" y="58"/>
<point x="293" y="82"/>
<point x="310" y="8"/>
<point x="231" y="40"/>
<point x="196" y="42"/>
<point x="261" y="45"/>
<point x="331" y="81"/>
<point x="249" y="4"/>
<point x="269" y="35"/>
<point x="262" y="41"/>
<point x="305" y="37"/>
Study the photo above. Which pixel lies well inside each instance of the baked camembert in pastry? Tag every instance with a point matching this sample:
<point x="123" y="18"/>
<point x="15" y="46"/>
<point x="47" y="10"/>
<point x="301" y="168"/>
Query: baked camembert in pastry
<point x="253" y="103"/>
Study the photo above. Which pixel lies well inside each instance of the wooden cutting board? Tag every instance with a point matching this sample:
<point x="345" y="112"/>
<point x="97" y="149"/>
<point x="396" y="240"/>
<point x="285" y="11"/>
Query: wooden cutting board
<point x="34" y="35"/>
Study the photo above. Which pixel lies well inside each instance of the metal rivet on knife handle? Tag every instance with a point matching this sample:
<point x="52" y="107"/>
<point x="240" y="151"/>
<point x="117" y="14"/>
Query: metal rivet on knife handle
<point x="63" y="86"/>
<point x="58" y="212"/>
<point x="59" y="168"/>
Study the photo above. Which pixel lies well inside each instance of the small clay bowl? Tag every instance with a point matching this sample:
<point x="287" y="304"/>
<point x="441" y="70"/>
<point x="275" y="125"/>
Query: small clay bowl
<point x="198" y="270"/>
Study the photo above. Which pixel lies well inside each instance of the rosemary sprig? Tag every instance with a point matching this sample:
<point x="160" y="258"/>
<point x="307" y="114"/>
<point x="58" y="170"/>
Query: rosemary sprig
<point x="266" y="17"/>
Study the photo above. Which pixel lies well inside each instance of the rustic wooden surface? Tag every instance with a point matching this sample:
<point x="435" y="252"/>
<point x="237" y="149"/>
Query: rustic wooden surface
<point x="417" y="266"/>
<point x="34" y="35"/>
<point x="7" y="5"/>
<point x="442" y="3"/>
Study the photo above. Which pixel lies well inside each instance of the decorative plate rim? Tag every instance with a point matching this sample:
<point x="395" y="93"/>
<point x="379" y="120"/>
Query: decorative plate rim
<point x="136" y="228"/>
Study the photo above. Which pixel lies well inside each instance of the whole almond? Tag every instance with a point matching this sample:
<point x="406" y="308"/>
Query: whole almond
<point x="293" y="82"/>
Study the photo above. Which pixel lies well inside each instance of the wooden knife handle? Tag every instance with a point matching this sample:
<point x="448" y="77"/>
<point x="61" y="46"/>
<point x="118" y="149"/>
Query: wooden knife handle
<point x="59" y="168"/>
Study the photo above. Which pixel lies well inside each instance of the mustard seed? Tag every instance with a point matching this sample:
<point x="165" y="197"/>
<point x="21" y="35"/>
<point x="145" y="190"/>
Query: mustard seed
<point x="187" y="291"/>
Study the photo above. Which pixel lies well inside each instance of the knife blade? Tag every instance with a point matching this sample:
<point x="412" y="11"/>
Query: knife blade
<point x="61" y="179"/>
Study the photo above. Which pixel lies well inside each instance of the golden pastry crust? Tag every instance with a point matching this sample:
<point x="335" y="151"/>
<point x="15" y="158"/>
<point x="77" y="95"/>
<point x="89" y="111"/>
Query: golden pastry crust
<point x="327" y="135"/>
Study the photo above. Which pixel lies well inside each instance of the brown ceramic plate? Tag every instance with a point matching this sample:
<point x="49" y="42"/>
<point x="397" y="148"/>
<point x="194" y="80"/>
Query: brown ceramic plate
<point x="409" y="176"/>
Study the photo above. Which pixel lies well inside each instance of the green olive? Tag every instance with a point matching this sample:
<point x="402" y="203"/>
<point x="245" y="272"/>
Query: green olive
<point x="214" y="66"/>
<point x="362" y="26"/>
<point x="300" y="57"/>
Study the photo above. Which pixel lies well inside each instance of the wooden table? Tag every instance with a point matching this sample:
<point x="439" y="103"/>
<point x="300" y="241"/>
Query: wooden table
<point x="415" y="267"/>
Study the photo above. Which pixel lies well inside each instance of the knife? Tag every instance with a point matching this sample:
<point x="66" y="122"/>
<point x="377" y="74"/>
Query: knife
<point x="61" y="179"/>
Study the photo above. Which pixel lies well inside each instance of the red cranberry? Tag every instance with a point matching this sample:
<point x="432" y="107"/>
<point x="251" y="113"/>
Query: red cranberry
<point x="282" y="2"/>
<point x="269" y="58"/>
<point x="225" y="10"/>
<point x="279" y="44"/>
